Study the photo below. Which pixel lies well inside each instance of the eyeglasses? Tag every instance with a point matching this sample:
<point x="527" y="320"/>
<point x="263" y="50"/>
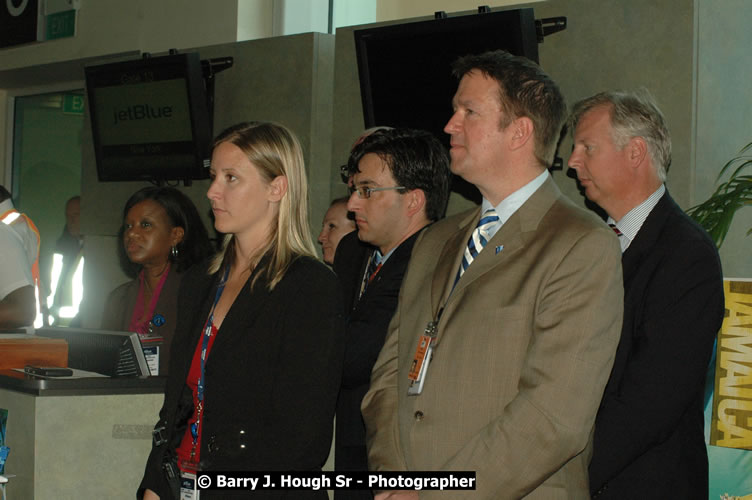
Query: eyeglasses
<point x="364" y="192"/>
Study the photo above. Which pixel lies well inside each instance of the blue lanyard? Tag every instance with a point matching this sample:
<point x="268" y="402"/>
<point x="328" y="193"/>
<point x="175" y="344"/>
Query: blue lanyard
<point x="204" y="347"/>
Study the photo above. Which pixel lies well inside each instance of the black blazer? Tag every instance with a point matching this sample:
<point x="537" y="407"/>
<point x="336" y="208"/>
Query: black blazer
<point x="271" y="378"/>
<point x="367" y="323"/>
<point x="649" y="440"/>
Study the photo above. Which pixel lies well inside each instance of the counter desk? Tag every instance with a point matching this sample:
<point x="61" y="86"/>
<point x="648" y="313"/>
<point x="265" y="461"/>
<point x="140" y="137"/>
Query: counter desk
<point x="78" y="438"/>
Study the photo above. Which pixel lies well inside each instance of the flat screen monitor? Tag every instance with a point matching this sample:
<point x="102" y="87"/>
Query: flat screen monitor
<point x="149" y="118"/>
<point x="405" y="69"/>
<point x="115" y="354"/>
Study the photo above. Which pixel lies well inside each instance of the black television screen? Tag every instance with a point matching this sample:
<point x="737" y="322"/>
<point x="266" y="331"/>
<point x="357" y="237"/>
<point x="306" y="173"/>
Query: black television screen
<point x="405" y="69"/>
<point x="149" y="118"/>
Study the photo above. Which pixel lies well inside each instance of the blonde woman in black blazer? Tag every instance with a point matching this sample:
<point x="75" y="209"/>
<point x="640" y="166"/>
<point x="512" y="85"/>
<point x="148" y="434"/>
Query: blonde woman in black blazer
<point x="270" y="380"/>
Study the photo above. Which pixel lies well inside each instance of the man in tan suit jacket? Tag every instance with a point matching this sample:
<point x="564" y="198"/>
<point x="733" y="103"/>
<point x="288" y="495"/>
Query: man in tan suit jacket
<point x="523" y="333"/>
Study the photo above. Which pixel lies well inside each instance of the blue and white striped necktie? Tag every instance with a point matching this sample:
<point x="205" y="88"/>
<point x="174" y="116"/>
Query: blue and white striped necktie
<point x="478" y="239"/>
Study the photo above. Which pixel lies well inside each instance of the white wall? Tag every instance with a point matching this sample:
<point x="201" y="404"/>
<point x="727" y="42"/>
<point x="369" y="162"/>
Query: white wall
<point x="255" y="19"/>
<point x="300" y="16"/>
<point x="350" y="13"/>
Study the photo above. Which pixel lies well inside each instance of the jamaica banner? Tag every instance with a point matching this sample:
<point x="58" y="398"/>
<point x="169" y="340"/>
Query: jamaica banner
<point x="728" y="411"/>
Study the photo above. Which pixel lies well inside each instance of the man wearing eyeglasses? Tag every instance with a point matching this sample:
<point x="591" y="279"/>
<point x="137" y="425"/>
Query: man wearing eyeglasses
<point x="399" y="183"/>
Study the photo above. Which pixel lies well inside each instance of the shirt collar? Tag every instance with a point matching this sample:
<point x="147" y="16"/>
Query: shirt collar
<point x="380" y="259"/>
<point x="630" y="224"/>
<point x="514" y="201"/>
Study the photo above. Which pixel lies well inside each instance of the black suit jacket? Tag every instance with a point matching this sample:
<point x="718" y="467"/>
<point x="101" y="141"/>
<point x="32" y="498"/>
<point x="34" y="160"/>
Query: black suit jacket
<point x="271" y="378"/>
<point x="649" y="440"/>
<point x="367" y="322"/>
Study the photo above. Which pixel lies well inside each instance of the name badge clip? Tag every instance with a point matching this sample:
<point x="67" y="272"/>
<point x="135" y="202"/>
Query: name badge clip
<point x="422" y="358"/>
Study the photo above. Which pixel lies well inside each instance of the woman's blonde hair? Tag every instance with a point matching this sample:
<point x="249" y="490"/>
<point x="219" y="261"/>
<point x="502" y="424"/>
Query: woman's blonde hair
<point x="274" y="151"/>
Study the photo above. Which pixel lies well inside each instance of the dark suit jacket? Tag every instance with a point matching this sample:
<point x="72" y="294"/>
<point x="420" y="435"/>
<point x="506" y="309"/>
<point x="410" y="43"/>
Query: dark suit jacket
<point x="119" y="309"/>
<point x="649" y="440"/>
<point x="271" y="378"/>
<point x="523" y="351"/>
<point x="367" y="322"/>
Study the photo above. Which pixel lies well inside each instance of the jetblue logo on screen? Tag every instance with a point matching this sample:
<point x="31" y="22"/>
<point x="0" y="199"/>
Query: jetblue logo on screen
<point x="142" y="112"/>
<point x="16" y="10"/>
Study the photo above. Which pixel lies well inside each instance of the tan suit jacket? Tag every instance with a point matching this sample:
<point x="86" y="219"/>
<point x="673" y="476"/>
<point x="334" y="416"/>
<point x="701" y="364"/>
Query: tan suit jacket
<point x="524" y="349"/>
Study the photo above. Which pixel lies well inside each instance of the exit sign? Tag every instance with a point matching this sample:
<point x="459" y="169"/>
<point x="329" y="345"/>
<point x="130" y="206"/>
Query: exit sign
<point x="73" y="104"/>
<point x="61" y="24"/>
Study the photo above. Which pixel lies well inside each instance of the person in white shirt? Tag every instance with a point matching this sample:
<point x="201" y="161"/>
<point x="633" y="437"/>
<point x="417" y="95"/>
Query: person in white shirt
<point x="17" y="290"/>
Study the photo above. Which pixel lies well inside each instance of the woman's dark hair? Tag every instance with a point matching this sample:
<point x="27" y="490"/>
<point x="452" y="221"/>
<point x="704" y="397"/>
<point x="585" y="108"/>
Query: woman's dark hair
<point x="181" y="212"/>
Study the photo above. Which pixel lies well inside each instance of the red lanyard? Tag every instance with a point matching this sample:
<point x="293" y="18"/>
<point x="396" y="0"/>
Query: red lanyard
<point x="204" y="347"/>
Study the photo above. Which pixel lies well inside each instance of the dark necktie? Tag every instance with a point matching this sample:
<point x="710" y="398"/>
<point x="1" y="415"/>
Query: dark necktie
<point x="373" y="268"/>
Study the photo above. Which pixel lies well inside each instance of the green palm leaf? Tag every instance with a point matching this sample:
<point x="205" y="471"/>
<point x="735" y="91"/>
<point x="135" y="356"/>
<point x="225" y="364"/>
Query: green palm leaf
<point x="716" y="214"/>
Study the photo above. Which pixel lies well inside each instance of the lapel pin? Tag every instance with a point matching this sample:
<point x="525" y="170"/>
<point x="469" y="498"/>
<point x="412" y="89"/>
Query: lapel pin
<point x="499" y="248"/>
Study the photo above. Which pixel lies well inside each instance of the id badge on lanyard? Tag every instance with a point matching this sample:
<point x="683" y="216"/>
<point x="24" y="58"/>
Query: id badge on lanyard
<point x="421" y="360"/>
<point x="188" y="486"/>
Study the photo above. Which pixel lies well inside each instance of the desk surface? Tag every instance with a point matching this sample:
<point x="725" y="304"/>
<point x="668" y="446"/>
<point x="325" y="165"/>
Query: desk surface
<point x="30" y="384"/>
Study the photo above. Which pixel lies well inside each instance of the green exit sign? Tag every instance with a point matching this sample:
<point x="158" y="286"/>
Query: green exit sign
<point x="73" y="104"/>
<point x="61" y="24"/>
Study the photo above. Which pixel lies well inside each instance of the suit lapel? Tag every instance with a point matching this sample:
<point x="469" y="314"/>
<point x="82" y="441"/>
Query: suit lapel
<point x="357" y="299"/>
<point x="394" y="266"/>
<point x="349" y="265"/>
<point x="511" y="238"/>
<point x="204" y="288"/>
<point x="450" y="258"/>
<point x="248" y="304"/>
<point x="646" y="237"/>
<point x="508" y="241"/>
